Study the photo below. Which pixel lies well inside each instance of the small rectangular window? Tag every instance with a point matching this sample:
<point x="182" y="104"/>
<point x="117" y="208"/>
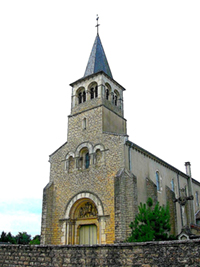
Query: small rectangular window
<point x="84" y="124"/>
<point x="197" y="199"/>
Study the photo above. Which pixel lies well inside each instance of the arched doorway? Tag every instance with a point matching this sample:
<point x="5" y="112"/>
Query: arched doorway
<point x="84" y="221"/>
<point x="85" y="224"/>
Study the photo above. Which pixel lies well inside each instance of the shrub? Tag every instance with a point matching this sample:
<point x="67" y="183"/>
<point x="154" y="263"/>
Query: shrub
<point x="150" y="223"/>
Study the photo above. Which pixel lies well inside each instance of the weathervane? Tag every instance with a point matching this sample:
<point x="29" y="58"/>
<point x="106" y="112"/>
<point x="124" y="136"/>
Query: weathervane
<point x="97" y="24"/>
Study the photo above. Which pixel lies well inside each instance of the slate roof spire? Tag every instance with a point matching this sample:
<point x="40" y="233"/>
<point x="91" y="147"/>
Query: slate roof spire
<point x="97" y="60"/>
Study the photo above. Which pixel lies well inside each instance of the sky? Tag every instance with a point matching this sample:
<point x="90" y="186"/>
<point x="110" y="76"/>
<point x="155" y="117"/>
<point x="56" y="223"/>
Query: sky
<point x="153" y="49"/>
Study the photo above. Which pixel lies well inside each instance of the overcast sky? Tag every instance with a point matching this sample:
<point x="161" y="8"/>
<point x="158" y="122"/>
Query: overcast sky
<point x="153" y="49"/>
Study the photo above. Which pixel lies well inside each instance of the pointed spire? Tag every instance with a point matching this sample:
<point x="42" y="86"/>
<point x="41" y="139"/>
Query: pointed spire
<point x="97" y="60"/>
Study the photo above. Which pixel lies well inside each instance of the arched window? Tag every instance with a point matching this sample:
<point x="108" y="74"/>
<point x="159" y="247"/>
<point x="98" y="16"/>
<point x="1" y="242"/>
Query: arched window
<point x="70" y="162"/>
<point x="158" y="181"/>
<point x="115" y="97"/>
<point x="94" y="92"/>
<point x="81" y="95"/>
<point x="107" y="91"/>
<point x="93" y="89"/>
<point x="84" y="158"/>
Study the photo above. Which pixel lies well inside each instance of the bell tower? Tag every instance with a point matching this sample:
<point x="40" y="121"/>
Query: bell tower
<point x="97" y="88"/>
<point x="80" y="201"/>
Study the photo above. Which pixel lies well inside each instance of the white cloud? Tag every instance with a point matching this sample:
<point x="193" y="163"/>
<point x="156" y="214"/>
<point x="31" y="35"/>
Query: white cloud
<point x="21" y="215"/>
<point x="20" y="222"/>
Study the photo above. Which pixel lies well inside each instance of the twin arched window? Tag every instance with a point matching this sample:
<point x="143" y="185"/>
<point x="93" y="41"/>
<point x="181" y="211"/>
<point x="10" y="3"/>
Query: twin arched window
<point x="94" y="92"/>
<point x="107" y="91"/>
<point x="84" y="156"/>
<point x="116" y="97"/>
<point x="81" y="96"/>
<point x="81" y="93"/>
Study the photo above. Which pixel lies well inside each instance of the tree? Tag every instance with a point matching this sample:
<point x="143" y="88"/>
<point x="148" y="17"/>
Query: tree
<point x="8" y="238"/>
<point x="23" y="238"/>
<point x="150" y="223"/>
<point x="11" y="238"/>
<point x="3" y="237"/>
<point x="35" y="240"/>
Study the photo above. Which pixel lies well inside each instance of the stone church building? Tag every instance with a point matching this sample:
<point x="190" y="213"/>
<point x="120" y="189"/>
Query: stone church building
<point x="99" y="177"/>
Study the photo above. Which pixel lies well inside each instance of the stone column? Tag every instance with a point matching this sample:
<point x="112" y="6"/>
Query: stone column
<point x="102" y="225"/>
<point x="67" y="231"/>
<point x="73" y="242"/>
<point x="101" y="93"/>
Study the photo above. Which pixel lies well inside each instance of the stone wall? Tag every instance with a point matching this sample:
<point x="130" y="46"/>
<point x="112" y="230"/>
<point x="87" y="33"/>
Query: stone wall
<point x="151" y="254"/>
<point x="125" y="203"/>
<point x="170" y="195"/>
<point x="151" y="190"/>
<point x="68" y="181"/>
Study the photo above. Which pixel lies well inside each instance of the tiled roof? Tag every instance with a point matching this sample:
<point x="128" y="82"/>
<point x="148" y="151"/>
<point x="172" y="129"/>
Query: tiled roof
<point x="97" y="60"/>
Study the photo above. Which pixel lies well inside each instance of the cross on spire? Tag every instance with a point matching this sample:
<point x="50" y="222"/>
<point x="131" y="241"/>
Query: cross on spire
<point x="97" y="24"/>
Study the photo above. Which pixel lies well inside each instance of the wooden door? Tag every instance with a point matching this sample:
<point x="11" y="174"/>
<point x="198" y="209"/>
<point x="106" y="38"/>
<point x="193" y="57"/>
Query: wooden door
<point x="88" y="234"/>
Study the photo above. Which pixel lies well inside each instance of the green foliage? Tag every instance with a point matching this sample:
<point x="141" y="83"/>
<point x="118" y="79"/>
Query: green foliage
<point x="22" y="238"/>
<point x="7" y="238"/>
<point x="150" y="223"/>
<point x="35" y="240"/>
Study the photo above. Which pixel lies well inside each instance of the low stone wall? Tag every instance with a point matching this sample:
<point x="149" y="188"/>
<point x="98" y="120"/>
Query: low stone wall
<point x="151" y="254"/>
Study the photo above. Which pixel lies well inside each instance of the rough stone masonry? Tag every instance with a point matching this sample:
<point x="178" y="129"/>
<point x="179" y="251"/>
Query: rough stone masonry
<point x="150" y="254"/>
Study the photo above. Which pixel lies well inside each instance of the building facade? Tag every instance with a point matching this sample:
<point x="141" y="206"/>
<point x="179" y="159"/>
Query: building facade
<point x="98" y="177"/>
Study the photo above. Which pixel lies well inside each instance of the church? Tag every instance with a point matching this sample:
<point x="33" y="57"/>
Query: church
<point x="99" y="177"/>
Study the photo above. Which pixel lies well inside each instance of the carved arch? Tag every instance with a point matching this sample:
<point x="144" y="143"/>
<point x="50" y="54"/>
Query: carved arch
<point x="80" y="95"/>
<point x="69" y="161"/>
<point x="98" y="146"/>
<point x="99" y="154"/>
<point x="93" y="90"/>
<point x="75" y="217"/>
<point x="86" y="195"/>
<point x="108" y="91"/>
<point x="82" y="145"/>
<point x="70" y="154"/>
<point x="116" y="97"/>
